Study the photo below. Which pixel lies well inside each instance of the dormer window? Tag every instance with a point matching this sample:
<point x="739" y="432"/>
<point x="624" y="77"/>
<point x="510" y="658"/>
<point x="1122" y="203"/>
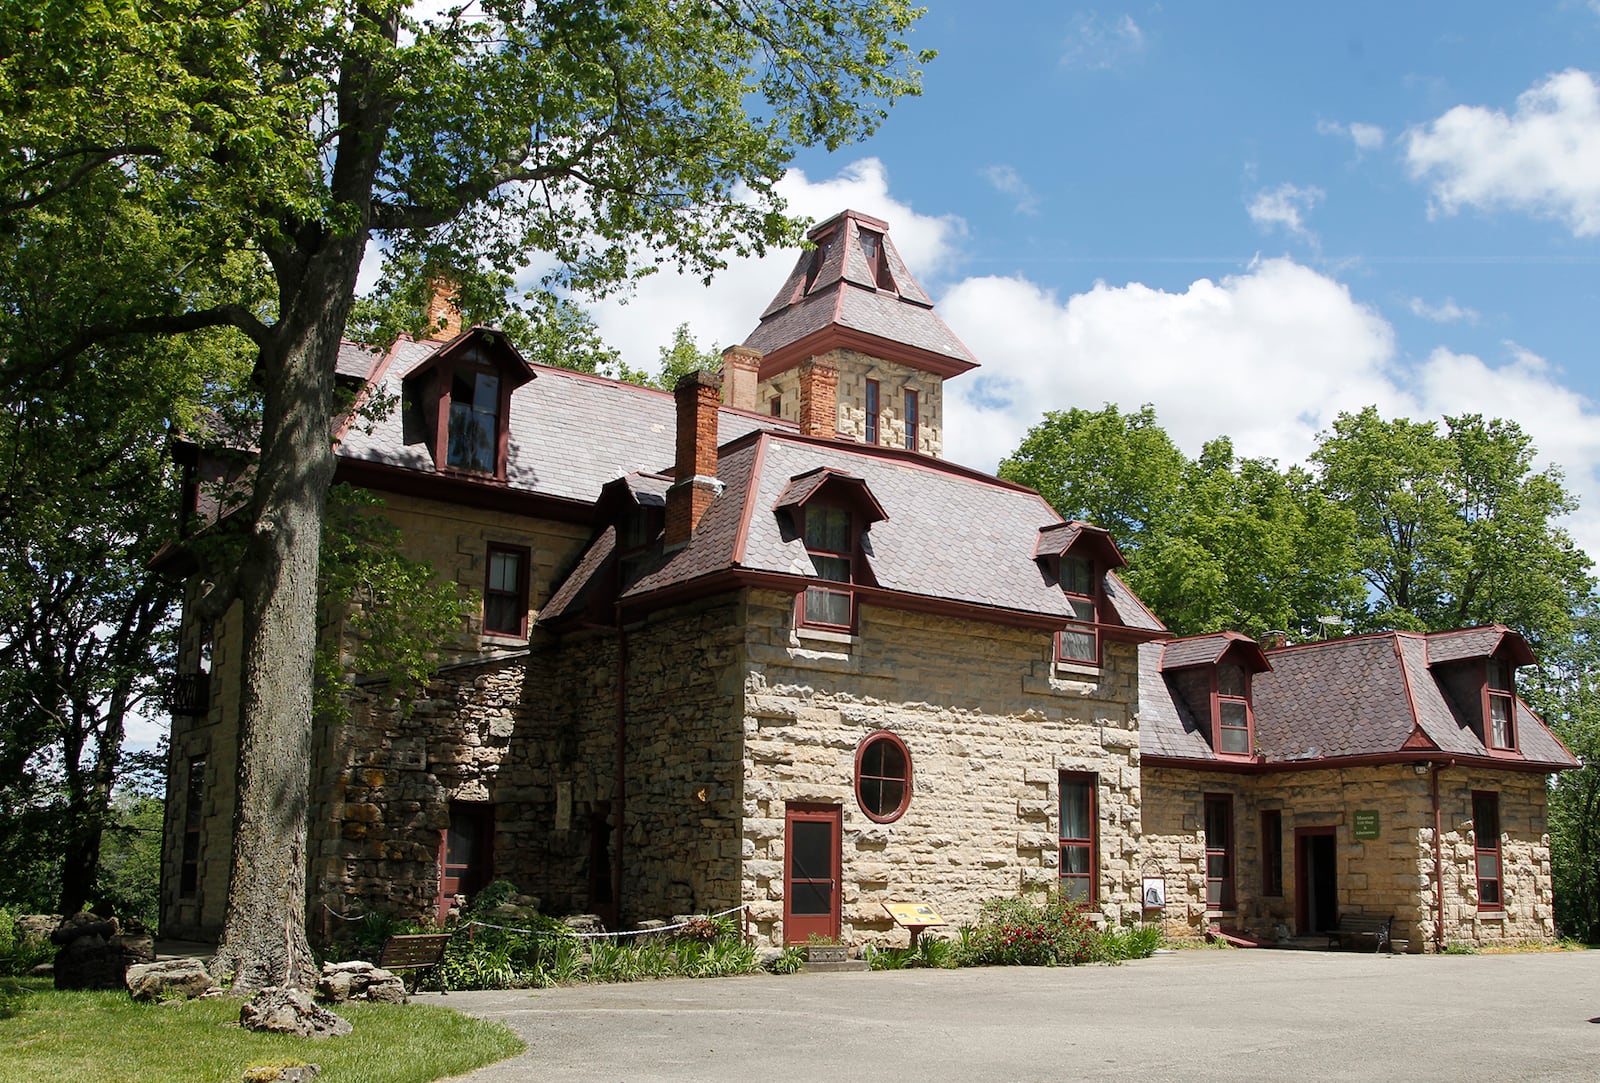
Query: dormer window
<point x="1079" y="641"/>
<point x="1501" y="713"/>
<point x="458" y="402"/>
<point x="829" y="539"/>
<point x="1231" y="711"/>
<point x="474" y="421"/>
<point x="877" y="266"/>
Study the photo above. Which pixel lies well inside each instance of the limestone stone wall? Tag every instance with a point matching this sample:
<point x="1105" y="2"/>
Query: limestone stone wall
<point x="855" y="369"/>
<point x="1392" y="874"/>
<point x="989" y="727"/>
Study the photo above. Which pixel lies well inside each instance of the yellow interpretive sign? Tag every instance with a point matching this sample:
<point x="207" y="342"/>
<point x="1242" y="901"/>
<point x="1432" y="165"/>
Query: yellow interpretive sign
<point x="913" y="915"/>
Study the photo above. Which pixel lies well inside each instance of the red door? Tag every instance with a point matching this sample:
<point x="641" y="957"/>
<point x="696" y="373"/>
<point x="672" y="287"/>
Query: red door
<point x="811" y="872"/>
<point x="466" y="854"/>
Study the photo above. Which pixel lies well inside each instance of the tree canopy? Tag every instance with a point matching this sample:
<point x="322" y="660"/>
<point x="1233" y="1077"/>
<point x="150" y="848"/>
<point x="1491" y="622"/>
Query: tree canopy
<point x="178" y="166"/>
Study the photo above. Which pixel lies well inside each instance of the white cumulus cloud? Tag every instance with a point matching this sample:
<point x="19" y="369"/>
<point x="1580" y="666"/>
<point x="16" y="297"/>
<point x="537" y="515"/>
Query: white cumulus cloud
<point x="1365" y="136"/>
<point x="1447" y="311"/>
<point x="1008" y="182"/>
<point x="1543" y="159"/>
<point x="1285" y="207"/>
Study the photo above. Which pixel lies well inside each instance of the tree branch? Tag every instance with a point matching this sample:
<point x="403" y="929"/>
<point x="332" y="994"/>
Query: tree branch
<point x="232" y="315"/>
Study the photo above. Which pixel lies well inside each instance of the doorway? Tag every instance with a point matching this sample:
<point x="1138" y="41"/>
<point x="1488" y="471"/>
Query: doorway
<point x="466" y="853"/>
<point x="1316" y="878"/>
<point x="811" y="872"/>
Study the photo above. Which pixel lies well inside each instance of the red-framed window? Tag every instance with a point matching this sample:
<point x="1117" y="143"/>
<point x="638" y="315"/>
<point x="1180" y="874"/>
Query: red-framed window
<point x="473" y="426"/>
<point x="1080" y="640"/>
<point x="776" y="406"/>
<point x="1079" y="837"/>
<point x="912" y="420"/>
<point x="1486" y="849"/>
<point x="194" y="804"/>
<point x="872" y="411"/>
<point x="1272" y="852"/>
<point x="1231" y="714"/>
<point x="830" y="541"/>
<point x="1219" y="851"/>
<point x="1500" y="707"/>
<point x="883" y="777"/>
<point x="505" y="591"/>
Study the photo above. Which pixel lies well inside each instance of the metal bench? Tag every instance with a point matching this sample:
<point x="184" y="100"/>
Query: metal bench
<point x="1354" y="926"/>
<point x="423" y="951"/>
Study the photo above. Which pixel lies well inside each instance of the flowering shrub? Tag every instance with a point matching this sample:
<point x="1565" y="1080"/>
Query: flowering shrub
<point x="1021" y="932"/>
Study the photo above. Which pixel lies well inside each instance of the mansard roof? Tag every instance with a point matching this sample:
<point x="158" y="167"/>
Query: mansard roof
<point x="842" y="294"/>
<point x="1369" y="697"/>
<point x="949" y="536"/>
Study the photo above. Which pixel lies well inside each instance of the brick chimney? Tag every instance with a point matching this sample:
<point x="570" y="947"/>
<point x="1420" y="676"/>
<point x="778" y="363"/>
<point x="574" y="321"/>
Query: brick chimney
<point x="819" y="398"/>
<point x="442" y="309"/>
<point x="695" y="471"/>
<point x="740" y="364"/>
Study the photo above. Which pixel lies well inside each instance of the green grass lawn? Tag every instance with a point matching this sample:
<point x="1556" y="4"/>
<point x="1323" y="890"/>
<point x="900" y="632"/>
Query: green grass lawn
<point x="108" y="1038"/>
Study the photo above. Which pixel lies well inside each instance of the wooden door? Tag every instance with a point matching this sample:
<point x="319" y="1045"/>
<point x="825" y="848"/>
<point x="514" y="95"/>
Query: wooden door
<point x="466" y="854"/>
<point x="811" y="872"/>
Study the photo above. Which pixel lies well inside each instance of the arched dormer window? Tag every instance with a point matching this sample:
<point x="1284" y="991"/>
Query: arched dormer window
<point x="830" y="511"/>
<point x="458" y="402"/>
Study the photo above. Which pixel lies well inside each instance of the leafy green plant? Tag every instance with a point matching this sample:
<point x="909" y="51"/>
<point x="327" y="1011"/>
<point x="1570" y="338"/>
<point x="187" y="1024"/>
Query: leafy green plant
<point x="1116" y="944"/>
<point x="884" y="958"/>
<point x="788" y="961"/>
<point x="936" y="952"/>
<point x="1460" y="947"/>
<point x="20" y="954"/>
<point x="1022" y="932"/>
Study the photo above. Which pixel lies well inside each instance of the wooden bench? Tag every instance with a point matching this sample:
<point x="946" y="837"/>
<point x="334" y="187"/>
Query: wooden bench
<point x="1354" y="926"/>
<point x="423" y="951"/>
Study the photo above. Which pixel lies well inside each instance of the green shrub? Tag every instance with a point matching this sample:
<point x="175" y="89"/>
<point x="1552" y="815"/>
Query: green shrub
<point x="1117" y="944"/>
<point x="1021" y="932"/>
<point x="18" y="955"/>
<point x="787" y="961"/>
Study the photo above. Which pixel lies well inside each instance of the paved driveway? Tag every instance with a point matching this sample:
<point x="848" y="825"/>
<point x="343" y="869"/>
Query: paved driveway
<point x="1195" y="1015"/>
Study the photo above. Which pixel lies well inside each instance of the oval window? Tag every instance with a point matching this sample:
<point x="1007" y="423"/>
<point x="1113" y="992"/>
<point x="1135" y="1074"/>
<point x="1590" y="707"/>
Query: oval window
<point x="883" y="777"/>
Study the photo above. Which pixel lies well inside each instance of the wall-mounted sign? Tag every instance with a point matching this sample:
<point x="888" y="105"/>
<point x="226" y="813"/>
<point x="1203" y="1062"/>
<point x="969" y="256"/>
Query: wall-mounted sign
<point x="913" y="915"/>
<point x="1154" y="892"/>
<point x="1365" y="823"/>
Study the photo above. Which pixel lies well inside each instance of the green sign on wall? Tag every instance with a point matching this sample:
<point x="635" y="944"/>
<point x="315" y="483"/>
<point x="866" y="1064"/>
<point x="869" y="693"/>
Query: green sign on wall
<point x="1366" y="824"/>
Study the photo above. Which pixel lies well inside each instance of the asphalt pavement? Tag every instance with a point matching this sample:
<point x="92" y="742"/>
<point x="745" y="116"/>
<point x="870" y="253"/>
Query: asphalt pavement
<point x="1191" y="1015"/>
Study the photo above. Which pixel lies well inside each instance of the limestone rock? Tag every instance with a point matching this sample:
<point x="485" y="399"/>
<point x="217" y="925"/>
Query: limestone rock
<point x="585" y="923"/>
<point x="290" y="1011"/>
<point x="95" y="954"/>
<point x="171" y="979"/>
<point x="35" y="926"/>
<point x="287" y="1073"/>
<point x="359" y="980"/>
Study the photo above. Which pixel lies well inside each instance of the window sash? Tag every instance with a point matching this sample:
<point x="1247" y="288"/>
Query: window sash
<point x="829" y="541"/>
<point x="1219" y="851"/>
<point x="474" y="433"/>
<point x="1079" y="836"/>
<point x="1233" y="726"/>
<point x="912" y="420"/>
<point x="505" y="606"/>
<point x="1487" y="866"/>
<point x="1502" y="730"/>
<point x="872" y="411"/>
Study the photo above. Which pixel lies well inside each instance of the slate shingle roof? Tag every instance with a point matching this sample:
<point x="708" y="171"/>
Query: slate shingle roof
<point x="1361" y="696"/>
<point x="570" y="433"/>
<point x="844" y="294"/>
<point x="950" y="533"/>
<point x="1203" y="650"/>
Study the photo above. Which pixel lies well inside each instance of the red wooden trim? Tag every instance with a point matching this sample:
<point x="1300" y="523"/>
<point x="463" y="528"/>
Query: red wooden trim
<point x="1510" y="695"/>
<point x="1228" y="851"/>
<point x="1091" y="844"/>
<point x="1259" y="766"/>
<point x="1302" y="900"/>
<point x="833" y="815"/>
<point x="742" y="538"/>
<point x="905" y="797"/>
<point x="1499" y="879"/>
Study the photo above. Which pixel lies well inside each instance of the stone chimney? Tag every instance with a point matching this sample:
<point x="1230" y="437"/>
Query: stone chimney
<point x="740" y="366"/>
<point x="695" y="471"/>
<point x="442" y="309"/>
<point x="819" y="398"/>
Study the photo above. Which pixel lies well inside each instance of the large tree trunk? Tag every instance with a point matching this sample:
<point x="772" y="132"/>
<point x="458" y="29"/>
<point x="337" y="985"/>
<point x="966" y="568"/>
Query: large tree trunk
<point x="264" y="933"/>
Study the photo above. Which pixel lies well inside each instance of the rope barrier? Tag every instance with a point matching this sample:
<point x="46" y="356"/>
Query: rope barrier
<point x="342" y="917"/>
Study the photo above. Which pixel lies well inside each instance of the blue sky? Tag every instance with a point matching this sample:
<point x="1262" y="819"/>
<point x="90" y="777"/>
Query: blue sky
<point x="1251" y="216"/>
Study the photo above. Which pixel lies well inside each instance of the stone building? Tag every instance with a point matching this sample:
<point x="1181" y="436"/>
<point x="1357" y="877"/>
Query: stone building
<point x="755" y="643"/>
